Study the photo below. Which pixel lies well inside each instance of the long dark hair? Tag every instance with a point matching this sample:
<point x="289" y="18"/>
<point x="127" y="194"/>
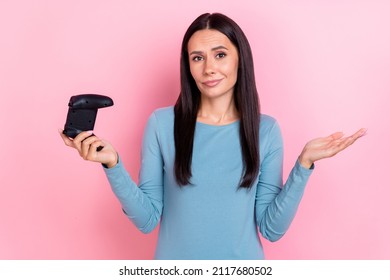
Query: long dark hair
<point x="245" y="98"/>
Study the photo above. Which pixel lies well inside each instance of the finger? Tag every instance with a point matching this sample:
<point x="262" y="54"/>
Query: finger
<point x="348" y="141"/>
<point x="80" y="138"/>
<point x="86" y="145"/>
<point x="66" y="139"/>
<point x="336" y="135"/>
<point x="93" y="150"/>
<point x="360" y="133"/>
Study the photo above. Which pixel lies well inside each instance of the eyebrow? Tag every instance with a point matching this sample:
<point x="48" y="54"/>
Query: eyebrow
<point x="213" y="49"/>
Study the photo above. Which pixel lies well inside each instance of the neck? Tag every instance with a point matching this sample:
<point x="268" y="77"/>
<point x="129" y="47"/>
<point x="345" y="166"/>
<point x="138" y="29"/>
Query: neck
<point x="217" y="112"/>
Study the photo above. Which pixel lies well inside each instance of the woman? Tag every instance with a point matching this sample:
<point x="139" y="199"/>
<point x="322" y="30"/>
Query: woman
<point x="211" y="171"/>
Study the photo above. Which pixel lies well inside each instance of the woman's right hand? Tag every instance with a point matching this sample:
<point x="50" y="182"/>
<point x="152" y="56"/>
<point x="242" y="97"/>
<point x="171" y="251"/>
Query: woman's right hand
<point x="86" y="144"/>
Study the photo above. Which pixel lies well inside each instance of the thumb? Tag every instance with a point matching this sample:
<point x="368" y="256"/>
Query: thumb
<point x="336" y="135"/>
<point x="66" y="139"/>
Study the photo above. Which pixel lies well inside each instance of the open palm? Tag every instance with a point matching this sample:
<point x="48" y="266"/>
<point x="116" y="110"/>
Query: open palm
<point x="326" y="147"/>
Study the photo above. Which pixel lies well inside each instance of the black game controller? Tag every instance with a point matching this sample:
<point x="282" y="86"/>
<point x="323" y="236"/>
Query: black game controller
<point x="82" y="113"/>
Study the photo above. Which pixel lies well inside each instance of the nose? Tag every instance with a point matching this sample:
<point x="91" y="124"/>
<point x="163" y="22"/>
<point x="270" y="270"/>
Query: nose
<point x="209" y="67"/>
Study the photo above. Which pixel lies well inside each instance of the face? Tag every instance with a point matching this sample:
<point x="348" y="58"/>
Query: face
<point x="213" y="63"/>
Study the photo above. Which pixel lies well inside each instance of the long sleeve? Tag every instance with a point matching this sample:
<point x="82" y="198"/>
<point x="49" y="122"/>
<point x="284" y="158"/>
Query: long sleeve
<point x="142" y="204"/>
<point x="211" y="218"/>
<point x="276" y="205"/>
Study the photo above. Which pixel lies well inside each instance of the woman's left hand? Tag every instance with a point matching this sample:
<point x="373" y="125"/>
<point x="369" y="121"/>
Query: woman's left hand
<point x="326" y="147"/>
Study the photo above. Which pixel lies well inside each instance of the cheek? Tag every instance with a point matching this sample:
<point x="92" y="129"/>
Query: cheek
<point x="194" y="72"/>
<point x="232" y="70"/>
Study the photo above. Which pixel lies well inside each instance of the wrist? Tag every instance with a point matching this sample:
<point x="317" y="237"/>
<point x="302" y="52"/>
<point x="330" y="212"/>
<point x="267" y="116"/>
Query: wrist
<point x="112" y="162"/>
<point x="306" y="163"/>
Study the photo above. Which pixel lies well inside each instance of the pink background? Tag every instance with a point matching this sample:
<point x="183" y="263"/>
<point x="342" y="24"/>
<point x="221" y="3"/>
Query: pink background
<point x="321" y="66"/>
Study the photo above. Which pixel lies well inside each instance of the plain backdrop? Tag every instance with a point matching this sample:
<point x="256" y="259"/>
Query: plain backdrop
<point x="321" y="67"/>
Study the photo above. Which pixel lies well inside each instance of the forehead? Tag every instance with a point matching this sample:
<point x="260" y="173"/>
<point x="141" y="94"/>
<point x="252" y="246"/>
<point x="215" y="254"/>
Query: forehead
<point x="207" y="39"/>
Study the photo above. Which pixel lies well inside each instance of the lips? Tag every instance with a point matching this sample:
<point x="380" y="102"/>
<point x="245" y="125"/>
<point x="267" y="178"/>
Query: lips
<point x="212" y="83"/>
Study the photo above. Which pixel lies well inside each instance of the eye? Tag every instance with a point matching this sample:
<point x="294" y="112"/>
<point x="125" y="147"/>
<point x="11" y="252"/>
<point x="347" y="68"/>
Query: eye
<point x="221" y="55"/>
<point x="197" y="58"/>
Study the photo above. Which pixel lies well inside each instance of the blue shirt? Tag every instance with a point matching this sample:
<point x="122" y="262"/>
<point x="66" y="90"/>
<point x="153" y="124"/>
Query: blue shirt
<point x="212" y="218"/>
